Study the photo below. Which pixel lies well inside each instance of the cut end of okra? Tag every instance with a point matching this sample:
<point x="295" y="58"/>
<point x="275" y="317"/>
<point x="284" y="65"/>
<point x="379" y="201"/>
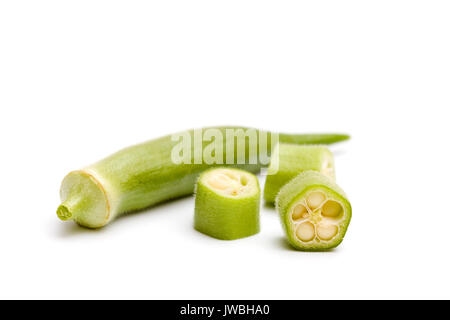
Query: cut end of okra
<point x="314" y="211"/>
<point x="227" y="204"/>
<point x="84" y="200"/>
<point x="228" y="181"/>
<point x="290" y="160"/>
<point x="319" y="218"/>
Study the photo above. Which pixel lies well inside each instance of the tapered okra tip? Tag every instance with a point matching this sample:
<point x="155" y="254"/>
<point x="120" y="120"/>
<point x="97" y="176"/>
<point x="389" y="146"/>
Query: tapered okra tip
<point x="314" y="138"/>
<point x="336" y="137"/>
<point x="64" y="213"/>
<point x="332" y="138"/>
<point x="345" y="137"/>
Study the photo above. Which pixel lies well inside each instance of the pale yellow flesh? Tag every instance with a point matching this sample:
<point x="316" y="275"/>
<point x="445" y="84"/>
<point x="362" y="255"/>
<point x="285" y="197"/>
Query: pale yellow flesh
<point x="228" y="181"/>
<point x="316" y="217"/>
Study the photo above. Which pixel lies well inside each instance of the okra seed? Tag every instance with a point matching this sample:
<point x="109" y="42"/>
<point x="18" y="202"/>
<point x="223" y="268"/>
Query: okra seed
<point x="305" y="231"/>
<point x="315" y="199"/>
<point x="299" y="212"/>
<point x="331" y="209"/>
<point x="232" y="175"/>
<point x="228" y="182"/>
<point x="220" y="181"/>
<point x="326" y="231"/>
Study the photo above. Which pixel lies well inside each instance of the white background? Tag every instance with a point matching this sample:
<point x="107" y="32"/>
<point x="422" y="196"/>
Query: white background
<point x="82" y="79"/>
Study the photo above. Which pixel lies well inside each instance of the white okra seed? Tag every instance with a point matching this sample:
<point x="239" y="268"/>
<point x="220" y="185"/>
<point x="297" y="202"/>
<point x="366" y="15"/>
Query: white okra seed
<point x="299" y="212"/>
<point x="331" y="209"/>
<point x="315" y="199"/>
<point x="232" y="176"/>
<point x="305" y="231"/>
<point x="228" y="182"/>
<point x="326" y="231"/>
<point x="220" y="181"/>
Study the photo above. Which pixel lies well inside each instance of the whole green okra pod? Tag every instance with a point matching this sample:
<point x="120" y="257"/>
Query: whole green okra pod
<point x="145" y="174"/>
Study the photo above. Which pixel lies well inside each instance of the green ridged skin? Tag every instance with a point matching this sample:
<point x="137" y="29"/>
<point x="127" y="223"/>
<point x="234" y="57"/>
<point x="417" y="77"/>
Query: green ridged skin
<point x="289" y="160"/>
<point x="220" y="213"/>
<point x="144" y="175"/>
<point x="295" y="194"/>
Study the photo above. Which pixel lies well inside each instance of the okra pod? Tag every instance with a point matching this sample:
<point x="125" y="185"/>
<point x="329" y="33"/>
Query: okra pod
<point x="147" y="174"/>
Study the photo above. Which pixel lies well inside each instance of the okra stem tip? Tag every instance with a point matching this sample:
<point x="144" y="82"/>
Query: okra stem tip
<point x="64" y="213"/>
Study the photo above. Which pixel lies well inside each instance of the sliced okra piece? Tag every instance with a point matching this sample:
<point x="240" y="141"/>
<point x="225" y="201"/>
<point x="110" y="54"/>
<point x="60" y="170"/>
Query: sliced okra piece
<point x="227" y="203"/>
<point x="289" y="160"/>
<point x="314" y="212"/>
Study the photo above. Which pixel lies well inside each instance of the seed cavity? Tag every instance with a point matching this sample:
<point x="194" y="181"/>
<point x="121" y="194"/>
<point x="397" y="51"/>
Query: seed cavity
<point x="229" y="182"/>
<point x="299" y="212"/>
<point x="315" y="199"/>
<point x="326" y="231"/>
<point x="332" y="209"/>
<point x="305" y="231"/>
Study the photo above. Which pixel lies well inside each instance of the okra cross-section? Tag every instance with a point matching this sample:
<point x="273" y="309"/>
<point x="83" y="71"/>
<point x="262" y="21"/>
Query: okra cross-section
<point x="314" y="212"/>
<point x="227" y="204"/>
<point x="289" y="160"/>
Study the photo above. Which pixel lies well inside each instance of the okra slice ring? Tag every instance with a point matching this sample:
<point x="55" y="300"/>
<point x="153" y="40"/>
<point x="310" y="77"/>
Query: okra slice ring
<point x="314" y="212"/>
<point x="227" y="203"/>
<point x="289" y="160"/>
